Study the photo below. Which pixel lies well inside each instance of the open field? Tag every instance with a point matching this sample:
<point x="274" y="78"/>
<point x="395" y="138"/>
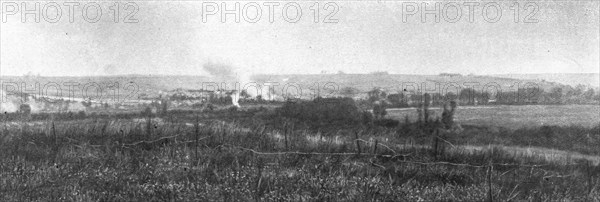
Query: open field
<point x="327" y="149"/>
<point x="214" y="160"/>
<point x="516" y="116"/>
<point x="351" y="101"/>
<point x="255" y="155"/>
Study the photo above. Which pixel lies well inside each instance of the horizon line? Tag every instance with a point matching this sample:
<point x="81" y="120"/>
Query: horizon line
<point x="372" y="73"/>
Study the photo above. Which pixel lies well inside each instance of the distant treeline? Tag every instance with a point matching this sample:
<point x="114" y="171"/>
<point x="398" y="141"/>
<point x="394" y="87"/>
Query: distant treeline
<point x="469" y="96"/>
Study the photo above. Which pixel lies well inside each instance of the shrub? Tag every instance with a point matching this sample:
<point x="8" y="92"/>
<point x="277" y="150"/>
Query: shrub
<point x="81" y="114"/>
<point x="379" y="110"/>
<point x="25" y="109"/>
<point x="323" y="110"/>
<point x="147" y="112"/>
<point x="389" y="123"/>
<point x="367" y="118"/>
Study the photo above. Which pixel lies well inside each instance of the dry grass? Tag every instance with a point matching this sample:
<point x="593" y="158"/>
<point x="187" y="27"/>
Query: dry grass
<point x="516" y="116"/>
<point x="125" y="160"/>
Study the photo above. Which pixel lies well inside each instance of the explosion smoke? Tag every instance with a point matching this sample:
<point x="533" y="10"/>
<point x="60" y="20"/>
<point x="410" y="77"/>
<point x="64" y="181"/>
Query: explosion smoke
<point x="8" y="104"/>
<point x="225" y="71"/>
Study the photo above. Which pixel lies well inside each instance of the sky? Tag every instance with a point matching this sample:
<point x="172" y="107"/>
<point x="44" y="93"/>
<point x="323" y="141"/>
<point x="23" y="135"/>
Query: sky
<point x="174" y="38"/>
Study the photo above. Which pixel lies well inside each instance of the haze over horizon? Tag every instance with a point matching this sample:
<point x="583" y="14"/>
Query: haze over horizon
<point x="327" y="73"/>
<point x="172" y="39"/>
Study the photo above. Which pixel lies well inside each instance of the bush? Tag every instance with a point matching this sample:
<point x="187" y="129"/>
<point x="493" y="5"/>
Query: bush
<point x="25" y="109"/>
<point x="147" y="112"/>
<point x="389" y="123"/>
<point x="323" y="110"/>
<point x="379" y="110"/>
<point x="367" y="118"/>
<point x="81" y="114"/>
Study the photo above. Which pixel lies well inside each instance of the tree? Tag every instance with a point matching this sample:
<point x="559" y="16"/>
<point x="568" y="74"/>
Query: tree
<point x="244" y="94"/>
<point x="379" y="110"/>
<point x="556" y="94"/>
<point x="569" y="92"/>
<point x="451" y="96"/>
<point x="164" y="104"/>
<point x="376" y="94"/>
<point x="579" y="90"/>
<point x="348" y="92"/>
<point x="467" y="95"/>
<point x="397" y="100"/>
<point x="423" y="109"/>
<point x="448" y="115"/>
<point x="447" y="126"/>
<point x="86" y="104"/>
<point x="484" y="97"/>
<point x="25" y="109"/>
<point x="589" y="94"/>
<point x="147" y="112"/>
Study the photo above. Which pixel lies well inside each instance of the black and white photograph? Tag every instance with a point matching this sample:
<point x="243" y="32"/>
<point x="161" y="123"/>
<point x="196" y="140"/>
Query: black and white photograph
<point x="307" y="100"/>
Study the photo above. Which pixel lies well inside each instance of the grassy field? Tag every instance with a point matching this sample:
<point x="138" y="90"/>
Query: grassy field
<point x="516" y="116"/>
<point x="243" y="156"/>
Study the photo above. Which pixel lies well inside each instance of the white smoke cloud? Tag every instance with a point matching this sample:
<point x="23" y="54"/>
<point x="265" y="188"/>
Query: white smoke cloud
<point x="9" y="104"/>
<point x="242" y="82"/>
<point x="254" y="89"/>
<point x="241" y="79"/>
<point x="36" y="106"/>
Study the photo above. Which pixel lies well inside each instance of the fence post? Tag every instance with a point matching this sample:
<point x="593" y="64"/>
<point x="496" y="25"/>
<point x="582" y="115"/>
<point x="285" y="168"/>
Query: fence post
<point x="588" y="166"/>
<point x="375" y="147"/>
<point x="358" y="151"/>
<point x="285" y="138"/>
<point x="55" y="143"/>
<point x="196" y="134"/>
<point x="435" y="144"/>
<point x="259" y="178"/>
<point x="489" y="181"/>
<point x="149" y="126"/>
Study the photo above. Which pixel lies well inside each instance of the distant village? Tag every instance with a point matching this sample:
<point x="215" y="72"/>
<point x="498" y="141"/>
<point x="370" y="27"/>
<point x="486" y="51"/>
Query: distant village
<point x="209" y="99"/>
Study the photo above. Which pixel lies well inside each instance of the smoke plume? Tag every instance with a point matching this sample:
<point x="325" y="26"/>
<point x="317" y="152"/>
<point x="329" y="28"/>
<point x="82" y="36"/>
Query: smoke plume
<point x="225" y="71"/>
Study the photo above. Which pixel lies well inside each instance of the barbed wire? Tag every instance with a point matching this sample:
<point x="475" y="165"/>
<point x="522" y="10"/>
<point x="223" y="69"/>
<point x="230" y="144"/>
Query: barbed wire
<point x="383" y="155"/>
<point x="392" y="156"/>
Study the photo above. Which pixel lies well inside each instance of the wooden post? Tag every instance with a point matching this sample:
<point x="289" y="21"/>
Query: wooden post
<point x="259" y="178"/>
<point x="442" y="147"/>
<point x="149" y="126"/>
<point x="589" y="168"/>
<point x="285" y="137"/>
<point x="375" y="147"/>
<point x="435" y="144"/>
<point x="196" y="134"/>
<point x="489" y="181"/>
<point x="291" y="132"/>
<point x="358" y="150"/>
<point x="55" y="143"/>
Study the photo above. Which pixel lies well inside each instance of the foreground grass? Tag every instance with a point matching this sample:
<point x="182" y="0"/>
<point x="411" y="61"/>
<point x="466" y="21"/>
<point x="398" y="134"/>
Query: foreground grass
<point x="133" y="160"/>
<point x="516" y="116"/>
